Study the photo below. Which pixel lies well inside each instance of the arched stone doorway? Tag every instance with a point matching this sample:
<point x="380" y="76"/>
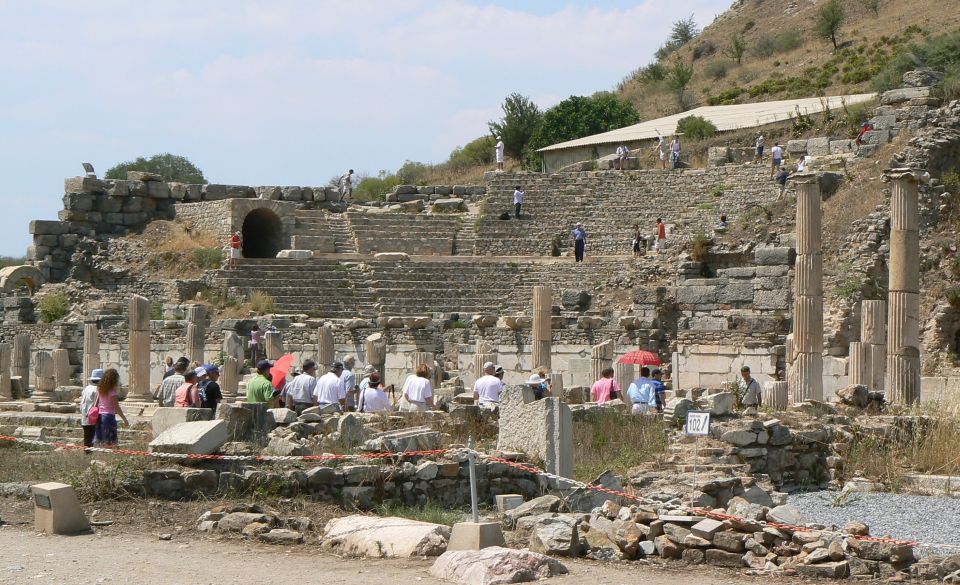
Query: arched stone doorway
<point x="262" y="233"/>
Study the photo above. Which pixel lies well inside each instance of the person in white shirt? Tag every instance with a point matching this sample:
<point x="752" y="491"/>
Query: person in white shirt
<point x="499" y="153"/>
<point x="346" y="185"/>
<point x="300" y="390"/>
<point x="776" y="157"/>
<point x="88" y="397"/>
<point x="622" y="152"/>
<point x="517" y="202"/>
<point x="661" y="148"/>
<point x="642" y="393"/>
<point x="487" y="388"/>
<point x="374" y="397"/>
<point x="417" y="394"/>
<point x="759" y="147"/>
<point x="330" y="389"/>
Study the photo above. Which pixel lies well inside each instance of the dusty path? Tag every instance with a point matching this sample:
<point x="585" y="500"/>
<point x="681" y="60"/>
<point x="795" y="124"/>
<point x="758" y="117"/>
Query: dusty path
<point x="26" y="557"/>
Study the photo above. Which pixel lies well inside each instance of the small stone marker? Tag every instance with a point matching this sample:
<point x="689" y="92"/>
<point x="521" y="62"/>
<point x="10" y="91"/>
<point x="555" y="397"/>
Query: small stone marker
<point x="57" y="509"/>
<point x="506" y="502"/>
<point x="475" y="536"/>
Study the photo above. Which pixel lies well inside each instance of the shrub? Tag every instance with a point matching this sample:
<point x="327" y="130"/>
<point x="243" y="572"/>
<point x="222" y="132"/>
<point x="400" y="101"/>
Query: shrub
<point x="950" y="88"/>
<point x="679" y="78"/>
<point x="683" y="31"/>
<point x="953" y="297"/>
<point x="376" y="188"/>
<point x="737" y="48"/>
<point x="700" y="247"/>
<point x="696" y="127"/>
<point x="653" y="72"/>
<point x="769" y="45"/>
<point x="53" y="306"/>
<point x="262" y="303"/>
<point x="169" y="166"/>
<point x="872" y="5"/>
<point x="208" y="258"/>
<point x="716" y="69"/>
<point x="704" y="49"/>
<point x="475" y="152"/>
<point x="829" y="19"/>
<point x="727" y="96"/>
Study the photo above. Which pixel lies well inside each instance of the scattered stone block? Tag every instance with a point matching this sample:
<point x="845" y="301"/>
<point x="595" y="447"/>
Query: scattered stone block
<point x="283" y="416"/>
<point x="281" y="536"/>
<point x="475" y="536"/>
<point x="295" y="254"/>
<point x="389" y="537"/>
<point x="495" y="565"/>
<point x="197" y="438"/>
<point x="163" y="418"/>
<point x="555" y="536"/>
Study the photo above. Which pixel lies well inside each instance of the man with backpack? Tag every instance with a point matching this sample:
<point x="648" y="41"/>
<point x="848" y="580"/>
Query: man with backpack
<point x="210" y="393"/>
<point x="749" y="390"/>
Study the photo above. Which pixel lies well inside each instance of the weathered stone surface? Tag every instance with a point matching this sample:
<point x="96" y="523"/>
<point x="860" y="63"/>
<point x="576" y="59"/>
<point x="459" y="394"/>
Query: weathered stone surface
<point x="855" y="395"/>
<point x="722" y="558"/>
<point x="494" y="566"/>
<point x="164" y="418"/>
<point x="199" y="437"/>
<point x="237" y="521"/>
<point x="739" y="438"/>
<point x="922" y="78"/>
<point x="540" y="505"/>
<point x="384" y="537"/>
<point x="785" y="514"/>
<point x="295" y="254"/>
<point x="707" y="528"/>
<point x="285" y="446"/>
<point x="281" y="536"/>
<point x="729" y="541"/>
<point x="831" y="570"/>
<point x="880" y="551"/>
<point x="555" y="536"/>
<point x="770" y="256"/>
<point x="283" y="416"/>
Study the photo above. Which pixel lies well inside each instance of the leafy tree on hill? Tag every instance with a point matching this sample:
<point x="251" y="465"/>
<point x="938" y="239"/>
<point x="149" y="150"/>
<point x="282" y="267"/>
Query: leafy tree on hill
<point x="169" y="166"/>
<point x="679" y="78"/>
<point x="829" y="19"/>
<point x="520" y="118"/>
<point x="476" y="152"/>
<point x="737" y="48"/>
<point x="683" y="31"/>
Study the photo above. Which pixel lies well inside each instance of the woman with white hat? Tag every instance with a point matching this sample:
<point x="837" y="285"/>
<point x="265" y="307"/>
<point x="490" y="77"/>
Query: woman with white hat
<point x="539" y="386"/>
<point x="88" y="397"/>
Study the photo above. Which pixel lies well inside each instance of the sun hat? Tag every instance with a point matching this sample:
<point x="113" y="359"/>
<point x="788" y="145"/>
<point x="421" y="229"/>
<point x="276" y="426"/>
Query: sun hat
<point x="200" y="371"/>
<point x="369" y="369"/>
<point x="535" y="379"/>
<point x="211" y="369"/>
<point x="96" y="375"/>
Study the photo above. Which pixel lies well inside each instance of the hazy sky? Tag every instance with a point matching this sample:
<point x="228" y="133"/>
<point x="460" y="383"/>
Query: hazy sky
<point x="288" y="92"/>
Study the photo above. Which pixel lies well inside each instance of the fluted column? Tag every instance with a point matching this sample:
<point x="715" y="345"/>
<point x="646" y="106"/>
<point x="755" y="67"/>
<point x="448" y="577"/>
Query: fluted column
<point x="542" y="326"/>
<point x="62" y="371"/>
<point x="858" y="365"/>
<point x="326" y="349"/>
<point x="775" y="395"/>
<point x="274" y="344"/>
<point x="873" y="335"/>
<point x="139" y="383"/>
<point x="808" y="298"/>
<point x="230" y="376"/>
<point x="46" y="377"/>
<point x="91" y="350"/>
<point x="485" y="352"/>
<point x="20" y="360"/>
<point x="233" y="346"/>
<point x="626" y="374"/>
<point x="601" y="358"/>
<point x="196" y="332"/>
<point x="5" y="354"/>
<point x="375" y="348"/>
<point x="903" y="305"/>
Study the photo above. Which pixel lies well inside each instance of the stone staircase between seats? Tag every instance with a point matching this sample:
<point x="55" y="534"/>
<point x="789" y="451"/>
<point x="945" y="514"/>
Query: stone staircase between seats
<point x="313" y="223"/>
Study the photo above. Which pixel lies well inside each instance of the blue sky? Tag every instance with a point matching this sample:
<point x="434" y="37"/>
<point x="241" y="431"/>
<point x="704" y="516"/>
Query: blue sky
<point x="288" y="92"/>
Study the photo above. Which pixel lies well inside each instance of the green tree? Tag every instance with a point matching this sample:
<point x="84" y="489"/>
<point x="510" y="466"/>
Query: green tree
<point x="829" y="19"/>
<point x="679" y="78"/>
<point x="520" y="118"/>
<point x="683" y="31"/>
<point x="169" y="166"/>
<point x="696" y="127"/>
<point x="738" y="46"/>
<point x="576" y="117"/>
<point x="374" y="188"/>
<point x="474" y="153"/>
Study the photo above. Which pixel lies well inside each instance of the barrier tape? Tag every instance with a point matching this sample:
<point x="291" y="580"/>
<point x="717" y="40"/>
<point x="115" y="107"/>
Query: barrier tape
<point x="703" y="512"/>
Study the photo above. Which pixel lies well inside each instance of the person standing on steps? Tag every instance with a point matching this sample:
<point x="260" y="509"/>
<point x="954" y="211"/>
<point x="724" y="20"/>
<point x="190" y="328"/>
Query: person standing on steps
<point x="781" y="180"/>
<point x="346" y="185"/>
<point x="88" y="397"/>
<point x="256" y="341"/>
<point x="579" y="242"/>
<point x="637" y="240"/>
<point x="661" y="149"/>
<point x="776" y="157"/>
<point x="758" y="144"/>
<point x="749" y="389"/>
<point x="498" y="151"/>
<point x="661" y="236"/>
<point x="675" y="151"/>
<point x="517" y="202"/>
<point x="106" y="434"/>
<point x="235" y="243"/>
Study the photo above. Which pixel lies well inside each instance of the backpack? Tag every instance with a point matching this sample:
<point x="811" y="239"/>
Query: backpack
<point x="202" y="392"/>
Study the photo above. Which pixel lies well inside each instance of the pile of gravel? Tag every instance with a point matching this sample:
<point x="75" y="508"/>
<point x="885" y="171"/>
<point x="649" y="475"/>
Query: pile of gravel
<point x="926" y="519"/>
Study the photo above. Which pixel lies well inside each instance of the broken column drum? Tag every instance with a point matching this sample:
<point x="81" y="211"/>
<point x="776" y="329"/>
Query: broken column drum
<point x="274" y="344"/>
<point x="375" y="348"/>
<point x="46" y="378"/>
<point x="196" y="332"/>
<point x="230" y="376"/>
<point x="542" y="326"/>
<point x="5" y="351"/>
<point x="326" y="351"/>
<point x="775" y="395"/>
<point x="601" y="358"/>
<point x="485" y="352"/>
<point x="139" y="347"/>
<point x="873" y="336"/>
<point x="20" y="361"/>
<point x="903" y="306"/>
<point x="807" y="368"/>
<point x="91" y="350"/>
<point x="858" y="366"/>
<point x="62" y="371"/>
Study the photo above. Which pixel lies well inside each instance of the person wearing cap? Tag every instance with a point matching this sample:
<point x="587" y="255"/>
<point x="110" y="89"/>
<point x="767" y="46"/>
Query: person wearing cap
<point x="260" y="389"/>
<point x="167" y="392"/>
<point x="349" y="381"/>
<point x="749" y="389"/>
<point x="330" y="390"/>
<point x="579" y="241"/>
<point x="498" y="153"/>
<point x="417" y="393"/>
<point x="368" y="370"/>
<point x="374" y="397"/>
<point x="300" y="390"/>
<point x="659" y="390"/>
<point x="210" y="392"/>
<point x="606" y="388"/>
<point x="88" y="397"/>
<point x="539" y="386"/>
<point x="188" y="394"/>
<point x="487" y="388"/>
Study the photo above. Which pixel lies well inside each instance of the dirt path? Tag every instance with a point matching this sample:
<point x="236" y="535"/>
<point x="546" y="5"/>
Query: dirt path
<point x="26" y="557"/>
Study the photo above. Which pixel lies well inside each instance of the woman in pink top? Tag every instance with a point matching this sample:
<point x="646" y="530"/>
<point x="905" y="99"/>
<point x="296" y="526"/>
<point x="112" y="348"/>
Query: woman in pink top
<point x="606" y="388"/>
<point x="106" y="434"/>
<point x="188" y="394"/>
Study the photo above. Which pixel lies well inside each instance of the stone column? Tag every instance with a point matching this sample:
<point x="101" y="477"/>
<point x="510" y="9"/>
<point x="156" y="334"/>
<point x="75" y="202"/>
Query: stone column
<point x="20" y="362"/>
<point x="230" y="377"/>
<point x="601" y="358"/>
<point x="274" y="344"/>
<point x="5" y="351"/>
<point x="139" y="350"/>
<point x="486" y="352"/>
<point x="542" y="326"/>
<point x="46" y="379"/>
<point x="91" y="350"/>
<point x="61" y="367"/>
<point x="196" y="332"/>
<point x="556" y="385"/>
<point x="233" y="346"/>
<point x="873" y="335"/>
<point x="775" y="395"/>
<point x="375" y="348"/>
<point x="858" y="366"/>
<point x="426" y="357"/>
<point x="808" y="297"/>
<point x="903" y="308"/>
<point x="326" y="349"/>
<point x="626" y="374"/>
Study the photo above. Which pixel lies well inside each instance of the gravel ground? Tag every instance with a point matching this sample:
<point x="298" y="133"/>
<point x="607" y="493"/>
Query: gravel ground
<point x="926" y="519"/>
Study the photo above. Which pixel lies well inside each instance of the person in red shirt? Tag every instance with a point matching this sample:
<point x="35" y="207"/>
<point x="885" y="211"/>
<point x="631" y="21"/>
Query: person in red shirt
<point x="661" y="235"/>
<point x="234" y="248"/>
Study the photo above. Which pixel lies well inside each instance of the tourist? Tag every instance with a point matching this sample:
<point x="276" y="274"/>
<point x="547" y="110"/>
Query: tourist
<point x="368" y="370"/>
<point x="546" y="388"/>
<point x="722" y="224"/>
<point x="349" y="381"/>
<point x="210" y="392"/>
<point x="803" y="163"/>
<point x="579" y="242"/>
<point x="167" y="392"/>
<point x="539" y="386"/>
<point x="659" y="389"/>
<point x="758" y="147"/>
<point x="330" y="391"/>
<point x="374" y="397"/>
<point x="499" y="372"/>
<point x="167" y="367"/>
<point x="517" y="202"/>
<point x="661" y="149"/>
<point x="498" y="153"/>
<point x="637" y="239"/>
<point x="661" y="241"/>
<point x="641" y="393"/>
<point x="776" y="155"/>
<point x="417" y="394"/>
<point x="623" y="151"/>
<point x="346" y="185"/>
<point x="781" y="180"/>
<point x="260" y="388"/>
<point x="487" y="388"/>
<point x="106" y="433"/>
<point x="864" y="128"/>
<point x="188" y="394"/>
<point x="675" y="151"/>
<point x="88" y="397"/>
<point x="256" y="342"/>
<point x="748" y="389"/>
<point x="606" y="388"/>
<point x="300" y="391"/>
<point x="235" y="242"/>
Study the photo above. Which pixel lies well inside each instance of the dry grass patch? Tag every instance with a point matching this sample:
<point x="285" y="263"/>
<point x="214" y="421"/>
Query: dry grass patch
<point x="616" y="441"/>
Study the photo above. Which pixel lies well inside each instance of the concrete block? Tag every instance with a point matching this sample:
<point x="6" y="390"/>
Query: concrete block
<point x="57" y="509"/>
<point x="163" y="418"/>
<point x="506" y="502"/>
<point x="475" y="536"/>
<point x="199" y="438"/>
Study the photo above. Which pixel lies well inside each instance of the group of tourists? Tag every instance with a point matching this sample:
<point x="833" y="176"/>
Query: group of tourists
<point x="487" y="388"/>
<point x="189" y="385"/>
<point x="100" y="407"/>
<point x="647" y="394"/>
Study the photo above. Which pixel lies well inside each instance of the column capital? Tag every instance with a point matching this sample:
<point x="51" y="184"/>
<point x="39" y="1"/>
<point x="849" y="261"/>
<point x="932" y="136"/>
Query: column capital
<point x="804" y="178"/>
<point x="906" y="174"/>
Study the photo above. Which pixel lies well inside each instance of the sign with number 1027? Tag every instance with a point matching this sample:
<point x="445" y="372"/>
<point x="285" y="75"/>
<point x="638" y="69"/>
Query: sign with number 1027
<point x="698" y="423"/>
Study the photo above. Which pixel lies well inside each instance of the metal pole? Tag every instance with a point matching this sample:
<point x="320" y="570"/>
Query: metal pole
<point x="473" y="481"/>
<point x="696" y="455"/>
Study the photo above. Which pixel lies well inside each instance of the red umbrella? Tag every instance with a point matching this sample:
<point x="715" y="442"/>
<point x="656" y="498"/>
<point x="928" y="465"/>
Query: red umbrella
<point x="641" y="357"/>
<point x="279" y="370"/>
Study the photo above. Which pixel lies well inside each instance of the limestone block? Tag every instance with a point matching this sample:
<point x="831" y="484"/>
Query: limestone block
<point x="773" y="256"/>
<point x="818" y="146"/>
<point x="392" y="256"/>
<point x="318" y="244"/>
<point x="495" y="565"/>
<point x="292" y="194"/>
<point x="164" y="418"/>
<point x="85" y="185"/>
<point x="539" y="427"/>
<point x="448" y="204"/>
<point x="388" y="537"/>
<point x="5" y="355"/>
<point x="904" y="94"/>
<point x="796" y="148"/>
<point x="62" y="370"/>
<point x="295" y="254"/>
<point x="841" y="146"/>
<point x="879" y="137"/>
<point x="57" y="509"/>
<point x="198" y="437"/>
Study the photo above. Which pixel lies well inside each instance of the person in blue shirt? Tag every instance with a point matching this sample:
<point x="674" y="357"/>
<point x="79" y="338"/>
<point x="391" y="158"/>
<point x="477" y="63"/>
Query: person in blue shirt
<point x="579" y="241"/>
<point x="642" y="393"/>
<point x="659" y="389"/>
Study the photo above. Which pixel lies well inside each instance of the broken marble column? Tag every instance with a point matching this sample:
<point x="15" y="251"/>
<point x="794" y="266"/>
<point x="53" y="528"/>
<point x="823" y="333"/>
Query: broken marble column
<point x="91" y="350"/>
<point x="5" y="352"/>
<point x="775" y="395"/>
<point x="808" y="298"/>
<point x="230" y="376"/>
<point x="903" y="306"/>
<point x="196" y="332"/>
<point x="426" y="357"/>
<point x="45" y="377"/>
<point x="857" y="365"/>
<point x="20" y="360"/>
<point x="556" y="385"/>
<point x="139" y="350"/>
<point x="274" y="344"/>
<point x="233" y="346"/>
<point x="625" y="374"/>
<point x="62" y="371"/>
<point x="486" y="352"/>
<point x="542" y="326"/>
<point x="601" y="358"/>
<point x="375" y="348"/>
<point x="326" y="349"/>
<point x="873" y="335"/>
